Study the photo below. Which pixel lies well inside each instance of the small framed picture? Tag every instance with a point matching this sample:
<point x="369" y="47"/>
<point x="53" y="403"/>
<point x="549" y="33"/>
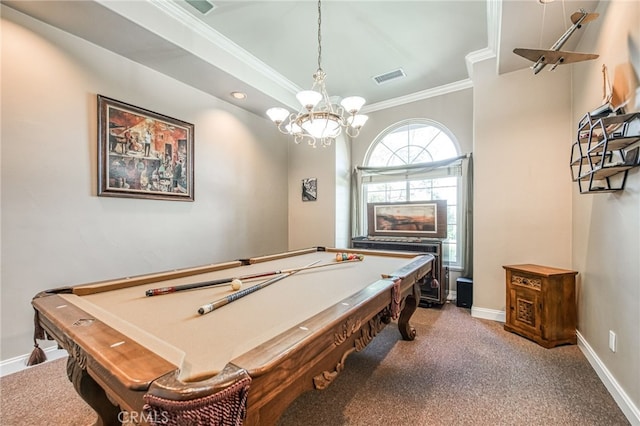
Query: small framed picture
<point x="143" y="154"/>
<point x="309" y="189"/>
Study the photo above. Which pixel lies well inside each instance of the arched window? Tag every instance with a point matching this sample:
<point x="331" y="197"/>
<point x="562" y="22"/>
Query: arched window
<point x="414" y="143"/>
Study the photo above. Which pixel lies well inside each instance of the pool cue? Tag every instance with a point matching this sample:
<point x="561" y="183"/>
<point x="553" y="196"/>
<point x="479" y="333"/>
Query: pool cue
<point x="214" y="283"/>
<point x="167" y="290"/>
<point x="205" y="309"/>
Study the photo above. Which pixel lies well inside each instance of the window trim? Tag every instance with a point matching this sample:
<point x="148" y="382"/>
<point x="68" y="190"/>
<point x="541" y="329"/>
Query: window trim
<point x="461" y="177"/>
<point x="407" y="122"/>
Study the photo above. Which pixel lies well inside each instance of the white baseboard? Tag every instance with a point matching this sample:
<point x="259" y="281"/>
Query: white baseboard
<point x="19" y="363"/>
<point x="631" y="412"/>
<point x="622" y="399"/>
<point x="489" y="314"/>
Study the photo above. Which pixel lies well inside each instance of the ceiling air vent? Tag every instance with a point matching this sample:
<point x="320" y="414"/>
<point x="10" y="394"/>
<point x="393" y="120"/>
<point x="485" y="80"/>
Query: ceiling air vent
<point x="387" y="77"/>
<point x="203" y="6"/>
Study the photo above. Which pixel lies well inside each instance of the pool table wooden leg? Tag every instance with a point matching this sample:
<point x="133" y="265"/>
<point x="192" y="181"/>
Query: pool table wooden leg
<point x="93" y="394"/>
<point x="407" y="331"/>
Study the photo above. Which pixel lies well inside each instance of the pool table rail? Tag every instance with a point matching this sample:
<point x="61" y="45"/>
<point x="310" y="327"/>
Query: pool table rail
<point x="126" y="282"/>
<point x="271" y="257"/>
<point x="309" y="355"/>
<point x="133" y="364"/>
<point x="322" y="343"/>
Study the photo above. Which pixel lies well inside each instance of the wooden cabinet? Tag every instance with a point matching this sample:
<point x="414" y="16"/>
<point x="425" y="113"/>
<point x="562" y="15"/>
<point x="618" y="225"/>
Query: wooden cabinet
<point x="541" y="304"/>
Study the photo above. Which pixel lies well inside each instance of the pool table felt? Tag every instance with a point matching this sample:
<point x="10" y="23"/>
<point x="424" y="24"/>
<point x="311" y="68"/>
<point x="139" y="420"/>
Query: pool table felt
<point x="200" y="345"/>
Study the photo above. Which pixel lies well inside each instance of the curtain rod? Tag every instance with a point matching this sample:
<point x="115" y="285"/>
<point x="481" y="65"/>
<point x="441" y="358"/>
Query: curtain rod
<point x="417" y="166"/>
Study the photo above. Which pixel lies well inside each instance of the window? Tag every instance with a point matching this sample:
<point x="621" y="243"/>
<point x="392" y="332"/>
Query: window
<point x="412" y="143"/>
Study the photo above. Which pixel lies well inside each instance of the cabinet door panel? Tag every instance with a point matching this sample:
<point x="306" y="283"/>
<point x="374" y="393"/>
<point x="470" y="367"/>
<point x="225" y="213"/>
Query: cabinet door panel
<point x="525" y="310"/>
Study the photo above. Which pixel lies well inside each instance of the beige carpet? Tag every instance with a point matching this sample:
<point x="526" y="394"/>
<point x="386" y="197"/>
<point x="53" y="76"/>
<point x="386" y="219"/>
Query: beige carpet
<point x="42" y="395"/>
<point x="458" y="371"/>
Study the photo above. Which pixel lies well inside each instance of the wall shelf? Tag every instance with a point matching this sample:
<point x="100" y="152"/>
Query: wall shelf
<point x="604" y="151"/>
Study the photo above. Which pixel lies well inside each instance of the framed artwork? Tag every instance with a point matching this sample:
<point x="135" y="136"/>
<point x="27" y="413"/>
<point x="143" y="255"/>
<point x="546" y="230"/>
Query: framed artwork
<point x="426" y="219"/>
<point x="143" y="154"/>
<point x="309" y="189"/>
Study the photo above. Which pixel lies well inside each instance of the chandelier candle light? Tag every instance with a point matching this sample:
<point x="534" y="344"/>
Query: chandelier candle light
<point x="318" y="119"/>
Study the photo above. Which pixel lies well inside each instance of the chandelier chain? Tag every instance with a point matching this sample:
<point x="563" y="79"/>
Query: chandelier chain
<point x="319" y="36"/>
<point x="318" y="119"/>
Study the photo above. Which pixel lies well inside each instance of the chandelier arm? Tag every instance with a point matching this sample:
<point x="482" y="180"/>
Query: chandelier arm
<point x="327" y="100"/>
<point x="302" y="136"/>
<point x="343" y="115"/>
<point x="282" y="129"/>
<point x="352" y="132"/>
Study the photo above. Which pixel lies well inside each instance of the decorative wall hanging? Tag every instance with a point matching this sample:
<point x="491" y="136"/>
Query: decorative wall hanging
<point x="143" y="154"/>
<point x="309" y="189"/>
<point x="425" y="219"/>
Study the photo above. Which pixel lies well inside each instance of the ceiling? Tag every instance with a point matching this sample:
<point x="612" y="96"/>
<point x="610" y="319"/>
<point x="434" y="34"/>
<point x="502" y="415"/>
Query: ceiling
<point x="269" y="49"/>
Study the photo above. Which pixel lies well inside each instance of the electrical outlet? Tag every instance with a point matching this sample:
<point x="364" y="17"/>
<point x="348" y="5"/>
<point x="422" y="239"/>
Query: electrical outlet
<point x="612" y="341"/>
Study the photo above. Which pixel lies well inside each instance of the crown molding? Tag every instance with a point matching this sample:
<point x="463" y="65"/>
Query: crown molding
<point x="478" y="56"/>
<point x="418" y="96"/>
<point x="208" y="33"/>
<point x="177" y="26"/>
<point x="241" y="63"/>
<point x="494" y="19"/>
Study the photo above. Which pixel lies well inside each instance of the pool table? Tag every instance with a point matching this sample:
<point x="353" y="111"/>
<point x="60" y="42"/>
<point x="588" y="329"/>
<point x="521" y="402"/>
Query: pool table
<point x="157" y="360"/>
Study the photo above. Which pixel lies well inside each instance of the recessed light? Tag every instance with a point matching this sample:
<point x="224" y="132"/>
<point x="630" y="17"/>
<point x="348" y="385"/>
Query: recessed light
<point x="238" y="95"/>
